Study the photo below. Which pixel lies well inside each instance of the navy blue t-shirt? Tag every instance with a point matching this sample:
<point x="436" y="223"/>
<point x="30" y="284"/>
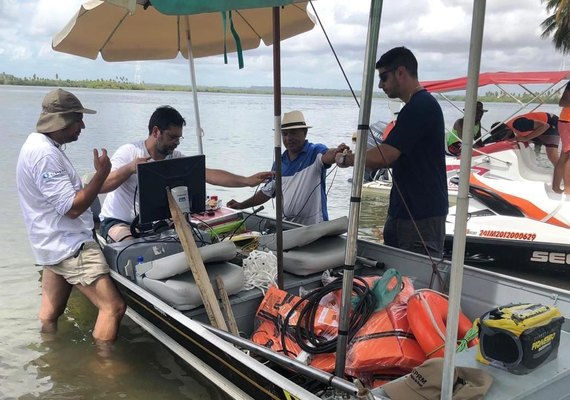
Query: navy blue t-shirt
<point x="419" y="172"/>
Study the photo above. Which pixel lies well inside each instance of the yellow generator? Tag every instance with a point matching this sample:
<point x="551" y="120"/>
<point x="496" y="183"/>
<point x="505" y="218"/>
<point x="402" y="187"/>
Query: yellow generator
<point x="519" y="337"/>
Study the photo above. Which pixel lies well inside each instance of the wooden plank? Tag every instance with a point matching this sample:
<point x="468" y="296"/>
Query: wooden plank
<point x="196" y="265"/>
<point x="226" y="305"/>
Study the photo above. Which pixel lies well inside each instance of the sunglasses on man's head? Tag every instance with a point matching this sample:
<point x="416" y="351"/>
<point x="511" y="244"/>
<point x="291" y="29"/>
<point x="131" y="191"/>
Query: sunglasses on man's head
<point x="384" y="75"/>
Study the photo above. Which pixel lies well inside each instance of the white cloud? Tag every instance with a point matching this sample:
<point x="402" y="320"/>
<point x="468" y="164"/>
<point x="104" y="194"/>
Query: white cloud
<point x="437" y="31"/>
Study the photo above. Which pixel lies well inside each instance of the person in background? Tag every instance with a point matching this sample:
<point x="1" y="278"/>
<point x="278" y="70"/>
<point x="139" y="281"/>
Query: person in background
<point x="164" y="135"/>
<point x="536" y="127"/>
<point x="418" y="198"/>
<point x="304" y="165"/>
<point x="562" y="167"/>
<point x="58" y="218"/>
<point x="456" y="135"/>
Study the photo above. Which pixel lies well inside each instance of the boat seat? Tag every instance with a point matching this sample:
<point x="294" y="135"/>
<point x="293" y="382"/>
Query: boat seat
<point x="323" y="254"/>
<point x="176" y="264"/>
<point x="181" y="291"/>
<point x="312" y="248"/>
<point x="171" y="279"/>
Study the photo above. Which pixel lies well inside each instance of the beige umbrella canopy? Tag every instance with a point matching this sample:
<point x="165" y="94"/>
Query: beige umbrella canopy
<point x="129" y="30"/>
<point x="146" y="34"/>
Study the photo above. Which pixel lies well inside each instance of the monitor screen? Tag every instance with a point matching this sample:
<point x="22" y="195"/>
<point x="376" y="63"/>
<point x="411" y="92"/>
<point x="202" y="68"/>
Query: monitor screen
<point x="155" y="176"/>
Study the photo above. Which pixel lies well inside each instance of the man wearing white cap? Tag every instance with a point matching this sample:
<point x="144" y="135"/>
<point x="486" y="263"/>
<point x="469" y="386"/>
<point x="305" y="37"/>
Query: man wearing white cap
<point x="303" y="168"/>
<point x="58" y="218"/>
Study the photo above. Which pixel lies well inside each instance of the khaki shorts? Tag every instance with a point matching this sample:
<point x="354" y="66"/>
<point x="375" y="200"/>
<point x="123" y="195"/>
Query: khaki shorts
<point x="83" y="268"/>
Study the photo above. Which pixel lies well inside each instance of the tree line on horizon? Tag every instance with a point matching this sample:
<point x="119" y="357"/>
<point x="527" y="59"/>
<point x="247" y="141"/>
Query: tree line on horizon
<point x="122" y="83"/>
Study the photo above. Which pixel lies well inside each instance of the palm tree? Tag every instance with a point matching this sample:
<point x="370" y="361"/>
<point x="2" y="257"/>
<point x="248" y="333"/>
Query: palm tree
<point x="557" y="25"/>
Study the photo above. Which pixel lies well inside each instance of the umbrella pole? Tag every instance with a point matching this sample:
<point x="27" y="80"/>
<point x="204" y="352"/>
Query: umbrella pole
<point x="357" y="177"/>
<point x="199" y="132"/>
<point x="458" y="251"/>
<point x="277" y="142"/>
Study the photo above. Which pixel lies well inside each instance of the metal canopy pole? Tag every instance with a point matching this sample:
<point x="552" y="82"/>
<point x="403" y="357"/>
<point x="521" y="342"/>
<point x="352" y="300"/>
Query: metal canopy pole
<point x="458" y="252"/>
<point x="277" y="142"/>
<point x="199" y="132"/>
<point x="357" y="178"/>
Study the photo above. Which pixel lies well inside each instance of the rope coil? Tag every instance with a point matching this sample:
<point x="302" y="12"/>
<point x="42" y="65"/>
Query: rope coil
<point x="260" y="270"/>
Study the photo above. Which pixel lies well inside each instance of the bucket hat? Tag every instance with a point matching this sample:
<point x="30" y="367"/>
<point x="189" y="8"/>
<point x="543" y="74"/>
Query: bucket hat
<point x="424" y="383"/>
<point x="59" y="110"/>
<point x="294" y="120"/>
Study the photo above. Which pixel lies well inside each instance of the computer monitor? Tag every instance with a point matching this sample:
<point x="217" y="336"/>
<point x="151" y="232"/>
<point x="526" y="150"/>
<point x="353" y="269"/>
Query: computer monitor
<point x="155" y="176"/>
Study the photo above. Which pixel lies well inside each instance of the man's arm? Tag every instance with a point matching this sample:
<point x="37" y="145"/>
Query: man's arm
<point x="381" y="156"/>
<point x="255" y="200"/>
<point x="458" y="127"/>
<point x="329" y="157"/>
<point x="220" y="177"/>
<point x="117" y="177"/>
<point x="85" y="197"/>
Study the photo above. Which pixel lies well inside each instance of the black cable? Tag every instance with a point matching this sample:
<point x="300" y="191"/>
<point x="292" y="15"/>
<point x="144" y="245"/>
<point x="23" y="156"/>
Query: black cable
<point x="308" y="306"/>
<point x="255" y="211"/>
<point x="290" y="218"/>
<point x="334" y="53"/>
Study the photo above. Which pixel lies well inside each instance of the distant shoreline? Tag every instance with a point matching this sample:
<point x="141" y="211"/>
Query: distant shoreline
<point x="122" y="83"/>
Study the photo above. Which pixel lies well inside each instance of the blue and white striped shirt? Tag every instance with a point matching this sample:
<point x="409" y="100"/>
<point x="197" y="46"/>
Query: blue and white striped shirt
<point x="304" y="189"/>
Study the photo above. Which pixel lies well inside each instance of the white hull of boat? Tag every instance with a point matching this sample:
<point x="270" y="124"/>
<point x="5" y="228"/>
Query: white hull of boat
<point x="523" y="226"/>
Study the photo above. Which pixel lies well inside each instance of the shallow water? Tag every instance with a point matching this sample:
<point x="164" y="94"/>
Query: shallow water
<point x="239" y="138"/>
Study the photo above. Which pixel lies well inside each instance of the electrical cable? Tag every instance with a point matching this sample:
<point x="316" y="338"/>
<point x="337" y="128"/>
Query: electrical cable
<point x="291" y="218"/>
<point x="307" y="308"/>
<point x="255" y="211"/>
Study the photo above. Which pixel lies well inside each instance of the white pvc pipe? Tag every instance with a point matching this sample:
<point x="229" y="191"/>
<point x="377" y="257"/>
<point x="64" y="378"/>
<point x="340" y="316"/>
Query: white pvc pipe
<point x="458" y="252"/>
<point x="199" y="131"/>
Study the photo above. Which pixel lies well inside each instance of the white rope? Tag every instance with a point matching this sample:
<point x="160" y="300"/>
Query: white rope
<point x="260" y="270"/>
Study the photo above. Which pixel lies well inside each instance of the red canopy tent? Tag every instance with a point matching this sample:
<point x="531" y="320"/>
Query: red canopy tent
<point x="498" y="78"/>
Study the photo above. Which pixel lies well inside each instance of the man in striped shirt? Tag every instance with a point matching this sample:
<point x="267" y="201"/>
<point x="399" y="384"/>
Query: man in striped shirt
<point x="304" y="166"/>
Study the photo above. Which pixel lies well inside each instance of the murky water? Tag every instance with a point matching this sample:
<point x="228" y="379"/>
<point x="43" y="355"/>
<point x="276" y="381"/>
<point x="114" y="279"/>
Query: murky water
<point x="239" y="138"/>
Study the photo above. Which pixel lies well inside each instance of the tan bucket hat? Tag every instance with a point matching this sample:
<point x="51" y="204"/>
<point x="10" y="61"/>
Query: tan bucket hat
<point x="293" y="120"/>
<point x="59" y="110"/>
<point x="424" y="383"/>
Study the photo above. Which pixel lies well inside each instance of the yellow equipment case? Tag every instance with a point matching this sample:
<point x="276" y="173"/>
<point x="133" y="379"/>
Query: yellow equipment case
<point x="519" y="337"/>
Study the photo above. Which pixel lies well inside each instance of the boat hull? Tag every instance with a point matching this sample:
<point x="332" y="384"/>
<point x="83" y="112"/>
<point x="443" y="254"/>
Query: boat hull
<point x="497" y="254"/>
<point x="233" y="366"/>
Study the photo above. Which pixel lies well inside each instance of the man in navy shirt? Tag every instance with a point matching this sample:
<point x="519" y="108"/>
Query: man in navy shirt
<point x="415" y="152"/>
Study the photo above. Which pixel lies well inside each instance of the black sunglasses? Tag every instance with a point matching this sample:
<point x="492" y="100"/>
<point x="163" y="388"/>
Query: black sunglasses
<point x="384" y="75"/>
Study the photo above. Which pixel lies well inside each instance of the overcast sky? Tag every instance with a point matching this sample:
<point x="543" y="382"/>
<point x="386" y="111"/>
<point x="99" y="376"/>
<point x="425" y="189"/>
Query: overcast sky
<point x="437" y="31"/>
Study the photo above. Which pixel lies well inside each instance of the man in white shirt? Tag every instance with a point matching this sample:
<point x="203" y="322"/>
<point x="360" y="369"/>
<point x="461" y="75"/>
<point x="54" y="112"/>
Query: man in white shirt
<point x="120" y="206"/>
<point x="57" y="215"/>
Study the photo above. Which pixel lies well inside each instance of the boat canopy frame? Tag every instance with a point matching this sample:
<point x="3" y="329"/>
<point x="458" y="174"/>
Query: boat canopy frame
<point x="498" y="79"/>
